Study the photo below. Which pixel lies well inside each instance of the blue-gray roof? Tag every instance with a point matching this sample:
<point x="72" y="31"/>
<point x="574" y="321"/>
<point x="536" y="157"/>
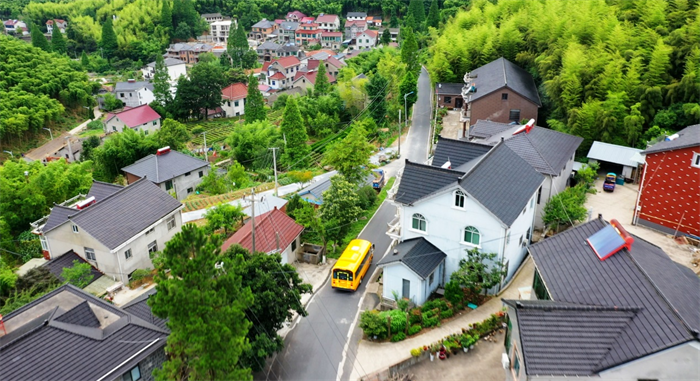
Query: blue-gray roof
<point x="457" y="152"/>
<point x="57" y="264"/>
<point x="101" y="190"/>
<point x="503" y="73"/>
<point x="139" y="307"/>
<point x="687" y="137"/>
<point x="418" y="254"/>
<point x="420" y="180"/>
<point x="445" y="88"/>
<point x="132" y="86"/>
<point x="317" y="189"/>
<point x="643" y="277"/>
<point x="160" y="168"/>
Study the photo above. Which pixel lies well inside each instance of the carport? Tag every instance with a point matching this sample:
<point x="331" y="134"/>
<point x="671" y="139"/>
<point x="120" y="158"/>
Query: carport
<point x="617" y="159"/>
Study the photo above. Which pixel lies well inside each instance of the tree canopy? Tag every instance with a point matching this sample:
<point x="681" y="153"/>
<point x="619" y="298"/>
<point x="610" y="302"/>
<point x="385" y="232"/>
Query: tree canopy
<point x="254" y="108"/>
<point x="295" y="153"/>
<point x="350" y="156"/>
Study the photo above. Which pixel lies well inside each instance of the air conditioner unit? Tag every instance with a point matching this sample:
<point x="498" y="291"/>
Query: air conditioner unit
<point x="505" y="361"/>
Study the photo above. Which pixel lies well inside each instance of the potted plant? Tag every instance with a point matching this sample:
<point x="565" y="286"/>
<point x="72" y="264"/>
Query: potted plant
<point x="465" y="341"/>
<point x="443" y="352"/>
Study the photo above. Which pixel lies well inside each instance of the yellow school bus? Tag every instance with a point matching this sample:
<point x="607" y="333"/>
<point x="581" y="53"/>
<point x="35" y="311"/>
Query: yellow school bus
<point x="353" y="265"/>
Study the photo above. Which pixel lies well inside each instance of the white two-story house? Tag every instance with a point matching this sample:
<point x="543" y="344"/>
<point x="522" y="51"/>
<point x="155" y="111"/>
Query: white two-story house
<point x="113" y="228"/>
<point x="549" y="152"/>
<point x="134" y="93"/>
<point x="487" y="203"/>
<point x="280" y="73"/>
<point x="329" y="23"/>
<point x="175" y="68"/>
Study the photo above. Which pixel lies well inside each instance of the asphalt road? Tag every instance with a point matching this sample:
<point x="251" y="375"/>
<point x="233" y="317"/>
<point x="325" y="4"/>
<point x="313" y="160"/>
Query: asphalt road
<point x="314" y="347"/>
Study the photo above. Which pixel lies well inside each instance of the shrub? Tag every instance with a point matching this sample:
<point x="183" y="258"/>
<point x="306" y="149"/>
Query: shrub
<point x="398" y="319"/>
<point x="430" y="321"/>
<point x="454" y="292"/>
<point x="414" y="317"/>
<point x="442" y="305"/>
<point x="368" y="196"/>
<point x="428" y="306"/>
<point x="373" y="324"/>
<point x="446" y="314"/>
<point x="414" y="329"/>
<point x="398" y="337"/>
<point x="140" y="274"/>
<point x="94" y="125"/>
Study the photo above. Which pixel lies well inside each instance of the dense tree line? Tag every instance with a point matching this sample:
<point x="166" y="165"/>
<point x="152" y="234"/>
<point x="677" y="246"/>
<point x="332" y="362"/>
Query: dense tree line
<point x="606" y="71"/>
<point x="37" y="87"/>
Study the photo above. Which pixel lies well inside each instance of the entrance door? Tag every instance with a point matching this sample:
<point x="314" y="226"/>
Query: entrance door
<point x="458" y="103"/>
<point x="406" y="289"/>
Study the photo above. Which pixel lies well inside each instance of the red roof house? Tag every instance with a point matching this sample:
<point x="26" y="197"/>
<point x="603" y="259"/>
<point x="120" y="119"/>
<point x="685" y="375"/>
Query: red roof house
<point x="275" y="232"/>
<point x="141" y="118"/>
<point x="670" y="185"/>
<point x="234" y="92"/>
<point x="295" y="16"/>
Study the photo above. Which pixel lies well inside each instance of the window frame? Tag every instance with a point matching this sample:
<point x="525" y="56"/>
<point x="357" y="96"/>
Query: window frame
<point x="472" y="231"/>
<point x="201" y="174"/>
<point x="696" y="160"/>
<point x="419" y="217"/>
<point x="129" y="375"/>
<point x="89" y="254"/>
<point x="152" y="247"/>
<point x="75" y="228"/>
<point x="458" y="194"/>
<point x="128" y="254"/>
<point x="511" y="113"/>
<point x="171" y="223"/>
<point x="504" y="96"/>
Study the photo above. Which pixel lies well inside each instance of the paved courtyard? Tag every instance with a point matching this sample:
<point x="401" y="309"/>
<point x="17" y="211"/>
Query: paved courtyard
<point x="451" y="127"/>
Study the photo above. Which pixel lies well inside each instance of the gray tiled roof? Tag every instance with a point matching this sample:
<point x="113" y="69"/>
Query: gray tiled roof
<point x="81" y="315"/>
<point x="688" y="137"/>
<point x="503" y="73"/>
<point x="169" y="166"/>
<point x="57" y="264"/>
<point x="357" y="14"/>
<point x="41" y="346"/>
<point x="59" y="215"/>
<point x="457" y="152"/>
<point x="317" y="189"/>
<point x="126" y="213"/>
<point x="643" y="277"/>
<point x="269" y="45"/>
<point x="417" y="254"/>
<point x="503" y="183"/>
<point x="101" y="190"/>
<point x="484" y="129"/>
<point x="289" y="25"/>
<point x="567" y="339"/>
<point x="614" y="153"/>
<point x="139" y="307"/>
<point x="132" y="86"/>
<point x="449" y="88"/>
<point x="264" y="23"/>
<point x="169" y="61"/>
<point x="420" y="180"/>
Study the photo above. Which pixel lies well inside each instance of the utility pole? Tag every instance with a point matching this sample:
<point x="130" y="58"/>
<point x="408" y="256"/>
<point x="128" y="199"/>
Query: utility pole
<point x="252" y="203"/>
<point x="205" y="146"/>
<point x="399" y="132"/>
<point x="274" y="164"/>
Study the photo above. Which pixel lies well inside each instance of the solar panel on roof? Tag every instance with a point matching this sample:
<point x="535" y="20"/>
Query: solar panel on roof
<point x="609" y="240"/>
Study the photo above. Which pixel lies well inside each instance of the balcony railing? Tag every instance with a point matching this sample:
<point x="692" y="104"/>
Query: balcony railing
<point x="394" y="230"/>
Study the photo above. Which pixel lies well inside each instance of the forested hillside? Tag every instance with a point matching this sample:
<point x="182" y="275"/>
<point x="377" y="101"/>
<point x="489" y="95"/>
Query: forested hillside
<point x="36" y="87"/>
<point x="606" y="71"/>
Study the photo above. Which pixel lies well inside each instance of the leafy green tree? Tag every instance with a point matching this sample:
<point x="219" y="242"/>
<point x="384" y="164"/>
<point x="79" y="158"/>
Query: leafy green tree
<point x="225" y="60"/>
<point x="213" y="183"/>
<point x="373" y="325"/>
<point x="321" y="87"/>
<point x="453" y="291"/>
<point x="340" y="208"/>
<point x="7" y="278"/>
<point x="634" y="123"/>
<point x="350" y="156"/>
<point x="277" y="289"/>
<point x="238" y="46"/>
<point x="109" y="39"/>
<point x="237" y="175"/>
<point x="166" y="17"/>
<point x="58" y="43"/>
<point x="565" y="208"/>
<point x="433" y="19"/>
<point x="79" y="275"/>
<point x="89" y="146"/>
<point x="223" y="216"/>
<point x="409" y="50"/>
<point x="296" y="151"/>
<point x="657" y="70"/>
<point x="254" y="108"/>
<point x="249" y="13"/>
<point x="300" y="177"/>
<point x="172" y="134"/>
<point x="249" y="143"/>
<point x="84" y="60"/>
<point x="409" y="84"/>
<point x="161" y="82"/>
<point x="39" y="40"/>
<point x="111" y="102"/>
<point x="200" y="92"/>
<point x="385" y="39"/>
<point x="120" y="150"/>
<point x="478" y="272"/>
<point x="376" y="92"/>
<point x="201" y="294"/>
<point x="183" y="32"/>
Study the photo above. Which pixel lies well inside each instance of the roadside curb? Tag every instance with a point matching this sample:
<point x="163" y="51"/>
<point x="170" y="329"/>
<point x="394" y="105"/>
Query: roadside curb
<point x="328" y="276"/>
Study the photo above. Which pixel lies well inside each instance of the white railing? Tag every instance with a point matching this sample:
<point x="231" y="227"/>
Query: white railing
<point x="394" y="230"/>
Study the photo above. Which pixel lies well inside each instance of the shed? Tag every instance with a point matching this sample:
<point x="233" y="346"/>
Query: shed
<point x="618" y="159"/>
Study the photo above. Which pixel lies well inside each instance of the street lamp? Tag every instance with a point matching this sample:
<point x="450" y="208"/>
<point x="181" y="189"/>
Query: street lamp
<point x="50" y="133"/>
<point x="10" y="152"/>
<point x="405" y="119"/>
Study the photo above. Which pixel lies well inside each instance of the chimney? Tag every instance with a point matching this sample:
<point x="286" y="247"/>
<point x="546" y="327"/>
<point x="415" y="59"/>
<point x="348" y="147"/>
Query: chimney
<point x="131" y="80"/>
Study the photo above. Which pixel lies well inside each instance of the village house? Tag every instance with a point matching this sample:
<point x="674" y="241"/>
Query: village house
<point x="16" y="27"/>
<point x="354" y="16"/>
<point x="288" y="49"/>
<point x="220" y="30"/>
<point x="374" y="21"/>
<point x="332" y="40"/>
<point x="605" y="305"/>
<point x="233" y="99"/>
<point x="268" y="50"/>
<point x="287" y="31"/>
<point x="669" y="192"/>
<point x="329" y="23"/>
<point x="113" y="228"/>
<point x="262" y="30"/>
<point x="366" y="40"/>
<point x="212" y="17"/>
<point x="141" y="118"/>
<point x="486" y="203"/>
<point x="280" y="73"/>
<point x="60" y="24"/>
<point x="449" y="95"/>
<point x="549" y="152"/>
<point x="134" y="93"/>
<point x="67" y="323"/>
<point x="394" y="32"/>
<point x="275" y="232"/>
<point x="333" y="65"/>
<point x="307" y="34"/>
<point x="354" y="29"/>
<point x="294" y="16"/>
<point x="187" y="51"/>
<point x="172" y="171"/>
<point x="500" y="92"/>
<point x="175" y="67"/>
<point x="307" y="79"/>
<point x="623" y="161"/>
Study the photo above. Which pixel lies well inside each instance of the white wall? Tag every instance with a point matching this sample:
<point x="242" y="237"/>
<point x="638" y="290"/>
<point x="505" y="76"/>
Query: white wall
<point x="175" y="71"/>
<point x="116" y="125"/>
<point x="364" y="41"/>
<point x="231" y="109"/>
<point x="681" y="362"/>
<point x="183" y="182"/>
<point x="393" y="277"/>
<point x="135" y="98"/>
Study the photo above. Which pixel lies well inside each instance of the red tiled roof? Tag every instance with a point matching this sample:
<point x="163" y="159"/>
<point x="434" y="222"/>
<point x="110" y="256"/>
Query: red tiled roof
<point x="279" y="21"/>
<point x="371" y="33"/>
<point x="296" y="13"/>
<point x="312" y="64"/>
<point x="136" y="116"/>
<point x="356" y="22"/>
<point x="307" y="19"/>
<point x="314" y="52"/>
<point x="286" y="61"/>
<point x="268" y="227"/>
<point x="327" y="18"/>
<point x="266" y="65"/>
<point x="234" y="92"/>
<point x="311" y="76"/>
<point x="278" y="75"/>
<point x="331" y="34"/>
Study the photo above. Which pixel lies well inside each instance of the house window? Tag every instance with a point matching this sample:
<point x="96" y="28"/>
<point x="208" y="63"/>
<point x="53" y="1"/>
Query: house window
<point x="459" y="199"/>
<point x="472" y="235"/>
<point x="121" y="95"/>
<point x="431" y="279"/>
<point x="127" y="254"/>
<point x="235" y="103"/>
<point x="152" y="247"/>
<point x="527" y="235"/>
<point x="294" y="245"/>
<point x="171" y="220"/>
<point x="539" y="195"/>
<point x="133" y="375"/>
<point x="44" y="244"/>
<point x="151" y="230"/>
<point x="514" y="115"/>
<point x="187" y="173"/>
<point x="696" y="160"/>
<point x="504" y="96"/>
<point x="168" y="185"/>
<point x="524" y="209"/>
<point x="201" y="174"/>
<point x="189" y="190"/>
<point x="448" y="99"/>
<point x="89" y="254"/>
<point x="155" y="122"/>
<point x="419" y="222"/>
<point x="75" y="228"/>
<point x="539" y="287"/>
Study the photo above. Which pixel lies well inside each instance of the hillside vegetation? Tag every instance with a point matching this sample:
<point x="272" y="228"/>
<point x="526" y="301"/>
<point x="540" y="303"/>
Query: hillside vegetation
<point x="36" y="88"/>
<point x="606" y="71"/>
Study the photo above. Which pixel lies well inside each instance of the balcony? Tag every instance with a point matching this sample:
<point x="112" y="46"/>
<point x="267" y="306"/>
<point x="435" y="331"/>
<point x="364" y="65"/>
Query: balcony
<point x="394" y="231"/>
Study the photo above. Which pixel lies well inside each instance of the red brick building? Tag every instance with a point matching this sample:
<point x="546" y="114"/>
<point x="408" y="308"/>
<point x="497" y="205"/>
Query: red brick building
<point x="499" y="91"/>
<point x="669" y="193"/>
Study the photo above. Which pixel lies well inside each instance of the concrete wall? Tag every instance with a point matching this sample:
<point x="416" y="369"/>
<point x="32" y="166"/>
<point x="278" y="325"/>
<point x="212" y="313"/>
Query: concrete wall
<point x="515" y="350"/>
<point x="116" y="125"/>
<point x="495" y="109"/>
<point x="135" y="98"/>
<point x="364" y="41"/>
<point x="231" y="108"/>
<point x="289" y="256"/>
<point x="393" y="277"/>
<point x="453" y="101"/>
<point x="114" y="264"/>
<point x="184" y="182"/>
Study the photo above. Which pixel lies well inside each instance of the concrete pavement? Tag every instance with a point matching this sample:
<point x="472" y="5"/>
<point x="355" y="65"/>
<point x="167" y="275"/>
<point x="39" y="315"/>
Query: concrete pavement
<point x="375" y="357"/>
<point x="48" y="148"/>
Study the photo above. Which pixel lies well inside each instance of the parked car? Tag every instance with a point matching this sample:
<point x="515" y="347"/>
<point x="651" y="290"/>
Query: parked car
<point x="378" y="182"/>
<point x="609" y="184"/>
